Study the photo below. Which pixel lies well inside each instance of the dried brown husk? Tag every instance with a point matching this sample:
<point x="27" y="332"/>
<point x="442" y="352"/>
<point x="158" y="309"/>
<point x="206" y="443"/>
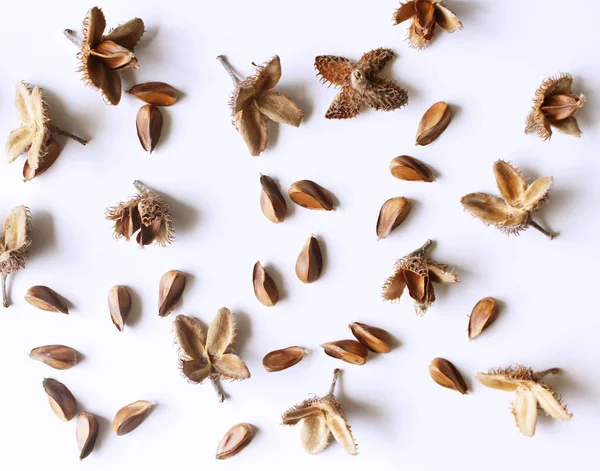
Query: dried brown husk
<point x="360" y="84"/>
<point x="417" y="273"/>
<point x="433" y="123"/>
<point x="119" y="306"/>
<point x="149" y="124"/>
<point x="61" y="400"/>
<point x="59" y="357"/>
<point x="531" y="393"/>
<point x="235" y="440"/>
<point x="15" y="240"/>
<point x="279" y="360"/>
<point x="424" y="16"/>
<point x="154" y="93"/>
<point x="445" y="374"/>
<point x="483" y="315"/>
<point x="310" y="195"/>
<point x="51" y="152"/>
<point x="375" y="339"/>
<point x="254" y="102"/>
<point x="87" y="433"/>
<point x="392" y="213"/>
<point x="513" y="212"/>
<point x="170" y="289"/>
<point x="46" y="299"/>
<point x="321" y="417"/>
<point x="408" y="168"/>
<point x="129" y="417"/>
<point x="272" y="203"/>
<point x="310" y="261"/>
<point x="265" y="288"/>
<point x="350" y="351"/>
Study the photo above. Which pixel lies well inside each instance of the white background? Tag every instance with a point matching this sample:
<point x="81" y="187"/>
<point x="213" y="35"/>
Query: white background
<point x="488" y="72"/>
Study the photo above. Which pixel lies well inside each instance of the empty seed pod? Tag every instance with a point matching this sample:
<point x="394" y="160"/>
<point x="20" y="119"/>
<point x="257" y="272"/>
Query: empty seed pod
<point x="272" y="203"/>
<point x="170" y="290"/>
<point x="46" y="299"/>
<point x="310" y="195"/>
<point x="445" y="374"/>
<point x="392" y="213"/>
<point x="278" y="360"/>
<point x="235" y="440"/>
<point x="433" y="123"/>
<point x="265" y="288"/>
<point x="58" y="357"/>
<point x="410" y="169"/>
<point x="128" y="418"/>
<point x="374" y="338"/>
<point x="87" y="433"/>
<point x="149" y="124"/>
<point x="350" y="351"/>
<point x="61" y="400"/>
<point x="154" y="93"/>
<point x="483" y="315"/>
<point x="310" y="261"/>
<point x="119" y="305"/>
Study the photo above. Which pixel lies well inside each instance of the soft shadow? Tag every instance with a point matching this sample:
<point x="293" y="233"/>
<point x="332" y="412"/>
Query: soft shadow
<point x="273" y="133"/>
<point x="324" y="256"/>
<point x="564" y="384"/>
<point x="243" y="330"/>
<point x="148" y="37"/>
<point x="166" y="128"/>
<point x="278" y="278"/>
<point x="190" y="283"/>
<point x="104" y="431"/>
<point x="185" y="215"/>
<point x="135" y="313"/>
<point x="465" y="11"/>
<point x="43" y="236"/>
<point x="587" y="114"/>
<point x="67" y="121"/>
<point x="356" y="408"/>
<point x="300" y="93"/>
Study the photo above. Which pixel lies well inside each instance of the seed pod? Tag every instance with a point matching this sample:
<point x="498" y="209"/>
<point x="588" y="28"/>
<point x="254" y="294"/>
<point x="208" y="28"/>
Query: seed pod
<point x="310" y="195"/>
<point x="87" y="433"/>
<point x="52" y="151"/>
<point x="128" y="418"/>
<point x="61" y="400"/>
<point x="349" y="351"/>
<point x="278" y="360"/>
<point x="310" y="261"/>
<point x="392" y="213"/>
<point x="58" y="357"/>
<point x="410" y="169"/>
<point x="272" y="203"/>
<point x="46" y="299"/>
<point x="433" y="123"/>
<point x="559" y="107"/>
<point x="119" y="305"/>
<point x="445" y="374"/>
<point x="483" y="315"/>
<point x="154" y="93"/>
<point x="235" y="440"/>
<point x="149" y="123"/>
<point x="374" y="338"/>
<point x="265" y="288"/>
<point x="170" y="290"/>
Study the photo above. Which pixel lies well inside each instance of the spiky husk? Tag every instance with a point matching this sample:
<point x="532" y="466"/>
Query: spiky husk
<point x="13" y="259"/>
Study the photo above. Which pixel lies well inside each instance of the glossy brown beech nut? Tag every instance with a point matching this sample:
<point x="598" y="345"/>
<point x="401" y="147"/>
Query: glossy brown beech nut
<point x="128" y="418"/>
<point x="272" y="203"/>
<point x="265" y="288"/>
<point x="58" y="357"/>
<point x="154" y="93"/>
<point x="149" y="124"/>
<point x="483" y="315"/>
<point x="46" y="299"/>
<point x="170" y="289"/>
<point x="61" y="400"/>
<point x="310" y="261"/>
<point x="445" y="374"/>
<point x="51" y="153"/>
<point x="350" y="351"/>
<point x="433" y="123"/>
<point x="391" y="215"/>
<point x="408" y="168"/>
<point x="310" y="195"/>
<point x="278" y="360"/>
<point x="87" y="433"/>
<point x="119" y="305"/>
<point x="235" y="440"/>
<point x="374" y="338"/>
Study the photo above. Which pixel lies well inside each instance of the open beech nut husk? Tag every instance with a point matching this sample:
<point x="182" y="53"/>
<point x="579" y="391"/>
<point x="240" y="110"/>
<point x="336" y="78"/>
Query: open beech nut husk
<point x="392" y="213"/>
<point x="61" y="400"/>
<point x="58" y="357"/>
<point x="154" y="93"/>
<point x="350" y="351"/>
<point x="433" y="123"/>
<point x="129" y="417"/>
<point x="310" y="261"/>
<point x="272" y="203"/>
<point x="46" y="299"/>
<point x="235" y="440"/>
<point x="445" y="374"/>
<point x="310" y="195"/>
<point x="170" y="289"/>
<point x="87" y="433"/>
<point x="15" y="239"/>
<point x="265" y="288"/>
<point x="408" y="168"/>
<point x="278" y="360"/>
<point x="483" y="315"/>
<point x="375" y="339"/>
<point x="149" y="124"/>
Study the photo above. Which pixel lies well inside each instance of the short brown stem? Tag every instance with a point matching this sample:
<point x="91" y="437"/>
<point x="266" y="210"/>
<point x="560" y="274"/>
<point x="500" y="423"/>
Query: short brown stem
<point x="217" y="387"/>
<point x="4" y="295"/>
<point x="336" y="375"/>
<point x="547" y="233"/>
<point x="421" y="250"/>
<point x="62" y="132"/>
<point x="139" y="186"/>
<point x="549" y="371"/>
<point x="73" y="36"/>
<point x="229" y="70"/>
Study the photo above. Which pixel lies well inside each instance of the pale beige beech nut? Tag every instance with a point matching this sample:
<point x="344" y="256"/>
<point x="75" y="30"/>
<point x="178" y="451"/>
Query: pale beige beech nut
<point x="350" y="351"/>
<point x="87" y="433"/>
<point x="61" y="400"/>
<point x="58" y="357"/>
<point x="170" y="289"/>
<point x="235" y="440"/>
<point x="433" y="123"/>
<point x="149" y="124"/>
<point x="272" y="203"/>
<point x="410" y="169"/>
<point x="129" y="417"/>
<point x="154" y="93"/>
<point x="310" y="261"/>
<point x="392" y="213"/>
<point x="278" y="360"/>
<point x="46" y="299"/>
<point x="265" y="288"/>
<point x="374" y="338"/>
<point x="310" y="195"/>
<point x="483" y="315"/>
<point x="445" y="374"/>
<point x="119" y="305"/>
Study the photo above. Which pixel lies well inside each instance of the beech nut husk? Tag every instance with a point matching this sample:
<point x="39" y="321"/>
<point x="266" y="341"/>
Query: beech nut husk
<point x="87" y="433"/>
<point x="278" y="360"/>
<point x="375" y="339"/>
<point x="58" y="357"/>
<point x="149" y="124"/>
<point x="433" y="123"/>
<point x="410" y="169"/>
<point x="46" y="299"/>
<point x="170" y="289"/>
<point x="154" y="93"/>
<point x="310" y="261"/>
<point x="392" y="213"/>
<point x="61" y="400"/>
<point x="265" y="288"/>
<point x="119" y="305"/>
<point x="445" y="374"/>
<point x="483" y="315"/>
<point x="310" y="195"/>
<point x="350" y="351"/>
<point x="272" y="203"/>
<point x="129" y="417"/>
<point x="235" y="440"/>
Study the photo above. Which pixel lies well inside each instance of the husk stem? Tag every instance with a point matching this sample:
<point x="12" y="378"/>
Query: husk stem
<point x="236" y="80"/>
